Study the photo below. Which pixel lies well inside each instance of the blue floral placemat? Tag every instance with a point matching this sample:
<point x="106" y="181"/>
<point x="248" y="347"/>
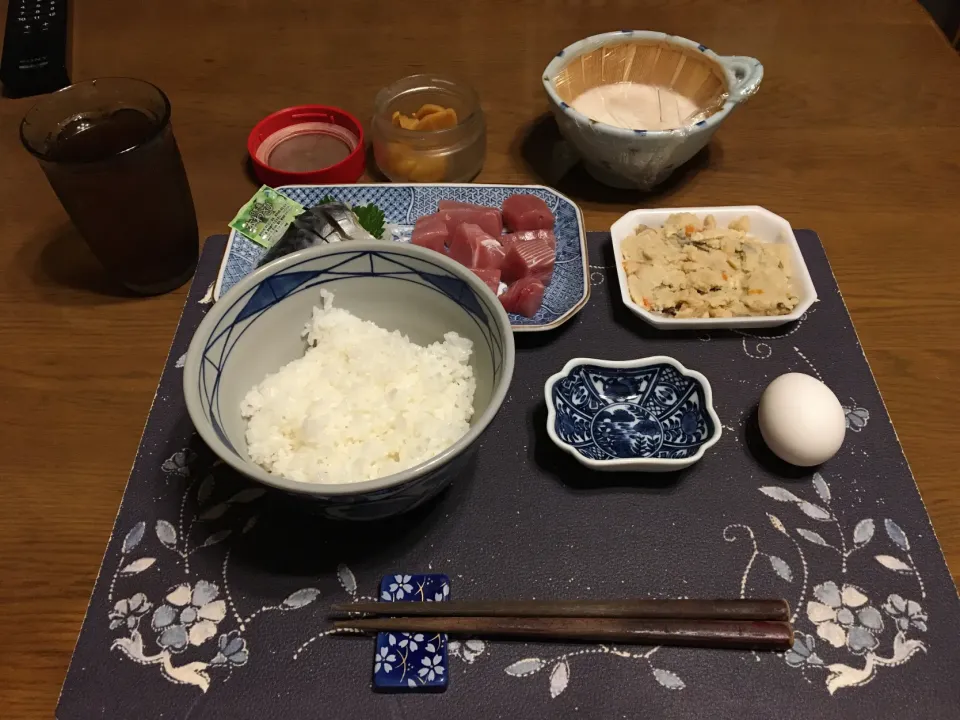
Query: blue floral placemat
<point x="213" y="596"/>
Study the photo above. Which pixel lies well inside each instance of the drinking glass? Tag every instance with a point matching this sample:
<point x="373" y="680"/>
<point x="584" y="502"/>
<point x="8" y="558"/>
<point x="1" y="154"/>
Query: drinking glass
<point x="108" y="151"/>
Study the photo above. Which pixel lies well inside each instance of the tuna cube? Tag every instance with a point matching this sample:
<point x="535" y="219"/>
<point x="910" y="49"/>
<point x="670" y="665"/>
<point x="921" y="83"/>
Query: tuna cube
<point x="430" y="231"/>
<point x="473" y="247"/>
<point x="526" y="236"/>
<point x="524" y="297"/>
<point x="490" y="276"/>
<point x="533" y="258"/>
<point x="489" y="219"/>
<point x="457" y="205"/>
<point x="527" y="212"/>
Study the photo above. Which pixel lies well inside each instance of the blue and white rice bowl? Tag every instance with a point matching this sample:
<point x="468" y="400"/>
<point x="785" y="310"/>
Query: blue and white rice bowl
<point x="646" y="415"/>
<point x="256" y="328"/>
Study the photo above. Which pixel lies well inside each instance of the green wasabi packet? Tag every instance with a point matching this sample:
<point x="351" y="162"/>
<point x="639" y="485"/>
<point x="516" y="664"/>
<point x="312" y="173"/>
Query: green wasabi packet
<point x="266" y="217"/>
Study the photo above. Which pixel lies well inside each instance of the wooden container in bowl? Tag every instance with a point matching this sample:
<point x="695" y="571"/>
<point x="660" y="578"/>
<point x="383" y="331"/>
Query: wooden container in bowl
<point x="699" y="90"/>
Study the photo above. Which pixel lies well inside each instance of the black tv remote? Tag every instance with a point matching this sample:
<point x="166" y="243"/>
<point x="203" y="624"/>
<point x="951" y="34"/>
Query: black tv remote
<point x="34" y="57"/>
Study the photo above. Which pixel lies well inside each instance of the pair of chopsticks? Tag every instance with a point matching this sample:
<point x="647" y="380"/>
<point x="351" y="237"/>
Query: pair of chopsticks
<point x="733" y="624"/>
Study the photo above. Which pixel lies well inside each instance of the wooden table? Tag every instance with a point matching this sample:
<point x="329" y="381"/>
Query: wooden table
<point x="855" y="132"/>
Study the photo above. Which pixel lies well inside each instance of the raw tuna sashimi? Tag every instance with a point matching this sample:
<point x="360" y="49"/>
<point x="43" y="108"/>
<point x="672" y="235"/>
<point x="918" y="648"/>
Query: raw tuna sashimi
<point x="457" y="205"/>
<point x="473" y="247"/>
<point x="527" y="212"/>
<point x="526" y="236"/>
<point x="430" y="231"/>
<point x="524" y="297"/>
<point x="490" y="276"/>
<point x="532" y="258"/>
<point x="489" y="219"/>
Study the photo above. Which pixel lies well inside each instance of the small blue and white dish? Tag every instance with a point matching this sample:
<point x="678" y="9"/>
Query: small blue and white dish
<point x="646" y="415"/>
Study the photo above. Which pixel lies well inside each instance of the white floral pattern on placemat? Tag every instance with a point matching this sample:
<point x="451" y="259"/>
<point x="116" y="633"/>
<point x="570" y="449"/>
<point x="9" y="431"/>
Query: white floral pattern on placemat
<point x="853" y="634"/>
<point x="198" y="629"/>
<point x="196" y="626"/>
<point x="559" y="667"/>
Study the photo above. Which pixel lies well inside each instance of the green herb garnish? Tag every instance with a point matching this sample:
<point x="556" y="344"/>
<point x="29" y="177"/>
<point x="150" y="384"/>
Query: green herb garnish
<point x="371" y="217"/>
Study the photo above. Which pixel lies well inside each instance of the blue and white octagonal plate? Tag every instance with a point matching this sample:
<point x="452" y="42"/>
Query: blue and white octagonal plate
<point x="403" y="204"/>
<point x="645" y="415"/>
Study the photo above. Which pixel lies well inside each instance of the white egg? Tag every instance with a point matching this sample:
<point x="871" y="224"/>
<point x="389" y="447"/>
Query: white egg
<point x="801" y="420"/>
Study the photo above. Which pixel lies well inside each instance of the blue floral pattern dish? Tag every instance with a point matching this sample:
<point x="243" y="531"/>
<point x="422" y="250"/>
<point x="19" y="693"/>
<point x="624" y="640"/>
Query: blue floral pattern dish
<point x="412" y="661"/>
<point x="566" y="294"/>
<point x="647" y="415"/>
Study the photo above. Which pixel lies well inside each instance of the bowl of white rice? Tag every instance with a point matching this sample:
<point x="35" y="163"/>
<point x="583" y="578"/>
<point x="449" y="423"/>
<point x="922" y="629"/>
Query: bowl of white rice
<point x="359" y="375"/>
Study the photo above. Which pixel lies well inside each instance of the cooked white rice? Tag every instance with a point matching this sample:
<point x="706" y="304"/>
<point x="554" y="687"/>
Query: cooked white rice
<point x="361" y="403"/>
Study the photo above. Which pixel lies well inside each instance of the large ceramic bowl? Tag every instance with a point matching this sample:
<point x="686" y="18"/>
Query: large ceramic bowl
<point x="255" y="328"/>
<point x="646" y="415"/>
<point x="639" y="157"/>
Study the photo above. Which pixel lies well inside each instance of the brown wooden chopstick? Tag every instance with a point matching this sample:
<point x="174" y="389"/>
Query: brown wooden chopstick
<point x="726" y="609"/>
<point x="731" y="634"/>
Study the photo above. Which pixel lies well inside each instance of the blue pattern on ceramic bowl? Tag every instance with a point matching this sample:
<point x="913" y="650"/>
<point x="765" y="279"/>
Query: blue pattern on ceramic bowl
<point x="646" y="415"/>
<point x="566" y="294"/>
<point x="256" y="328"/>
<point x="643" y="158"/>
<point x="412" y="662"/>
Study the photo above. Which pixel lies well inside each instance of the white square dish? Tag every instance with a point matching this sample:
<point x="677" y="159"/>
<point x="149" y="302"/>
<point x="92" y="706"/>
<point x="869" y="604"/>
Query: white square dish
<point x="764" y="225"/>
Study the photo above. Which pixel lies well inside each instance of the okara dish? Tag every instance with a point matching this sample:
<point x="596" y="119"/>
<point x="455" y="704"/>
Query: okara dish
<point x="693" y="268"/>
<point x="691" y="257"/>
